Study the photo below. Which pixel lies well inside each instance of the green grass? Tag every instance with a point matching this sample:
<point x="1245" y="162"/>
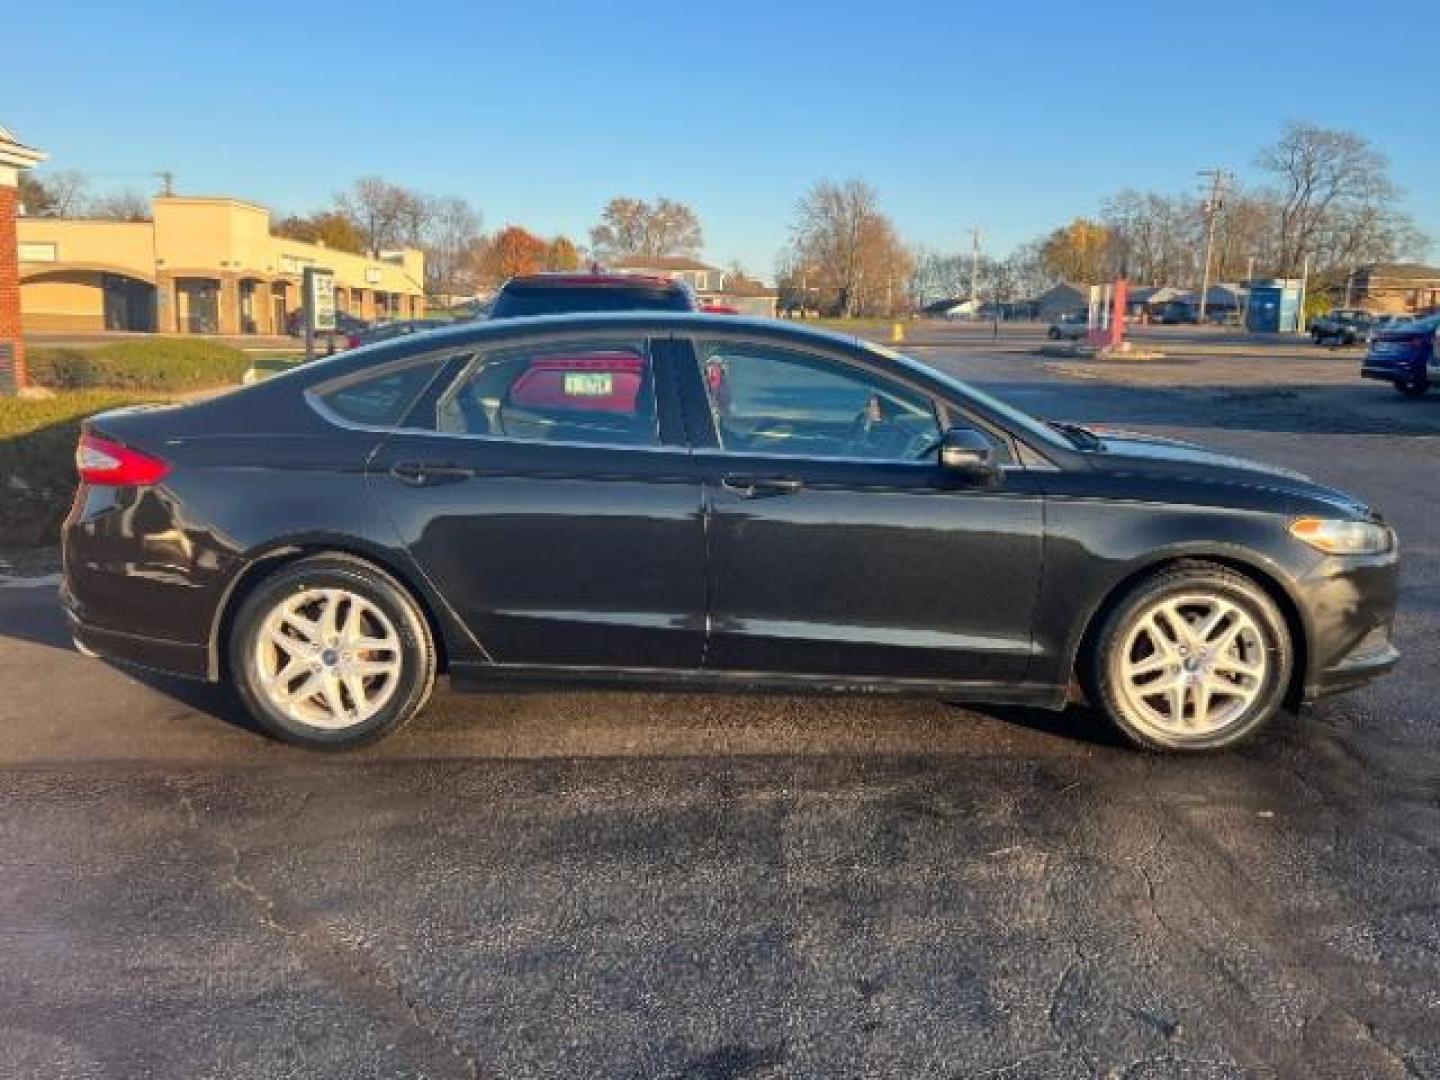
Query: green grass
<point x="168" y="365"/>
<point x="37" y="460"/>
<point x="265" y="366"/>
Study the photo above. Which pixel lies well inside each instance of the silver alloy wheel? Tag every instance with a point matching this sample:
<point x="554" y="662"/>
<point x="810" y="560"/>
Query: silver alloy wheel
<point x="328" y="658"/>
<point x="1192" y="664"/>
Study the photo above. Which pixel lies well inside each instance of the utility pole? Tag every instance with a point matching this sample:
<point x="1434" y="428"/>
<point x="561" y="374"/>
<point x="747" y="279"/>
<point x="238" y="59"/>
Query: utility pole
<point x="975" y="236"/>
<point x="1210" y="208"/>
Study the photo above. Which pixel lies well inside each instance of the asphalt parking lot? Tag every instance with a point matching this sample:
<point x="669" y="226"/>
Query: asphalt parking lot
<point x="638" y="885"/>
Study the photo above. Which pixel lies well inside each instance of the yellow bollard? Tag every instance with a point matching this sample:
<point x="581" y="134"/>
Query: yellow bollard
<point x="897" y="333"/>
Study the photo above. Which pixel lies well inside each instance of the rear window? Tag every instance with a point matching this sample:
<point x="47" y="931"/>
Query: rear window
<point x="519" y="301"/>
<point x="597" y="392"/>
<point x="380" y="400"/>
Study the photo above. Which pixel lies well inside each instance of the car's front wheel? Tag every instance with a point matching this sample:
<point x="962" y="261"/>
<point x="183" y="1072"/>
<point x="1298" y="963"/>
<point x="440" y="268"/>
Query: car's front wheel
<point x="1414" y="388"/>
<point x="331" y="652"/>
<point x="1197" y="657"/>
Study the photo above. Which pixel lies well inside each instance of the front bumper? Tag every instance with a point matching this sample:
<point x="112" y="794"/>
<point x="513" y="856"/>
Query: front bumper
<point x="1349" y="609"/>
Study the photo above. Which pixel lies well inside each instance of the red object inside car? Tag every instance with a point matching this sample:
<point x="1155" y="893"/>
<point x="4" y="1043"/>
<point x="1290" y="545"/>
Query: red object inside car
<point x="588" y="382"/>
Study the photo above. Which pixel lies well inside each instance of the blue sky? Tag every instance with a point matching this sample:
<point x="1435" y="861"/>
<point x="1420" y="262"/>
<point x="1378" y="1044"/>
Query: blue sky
<point x="1012" y="116"/>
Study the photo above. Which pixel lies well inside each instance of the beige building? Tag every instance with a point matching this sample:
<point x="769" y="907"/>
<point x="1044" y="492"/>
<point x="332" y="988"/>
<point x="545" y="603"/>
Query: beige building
<point x="200" y="266"/>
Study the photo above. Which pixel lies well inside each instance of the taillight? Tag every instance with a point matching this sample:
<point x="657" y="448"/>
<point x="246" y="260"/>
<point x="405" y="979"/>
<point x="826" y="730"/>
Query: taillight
<point x="352" y="341"/>
<point x="100" y="461"/>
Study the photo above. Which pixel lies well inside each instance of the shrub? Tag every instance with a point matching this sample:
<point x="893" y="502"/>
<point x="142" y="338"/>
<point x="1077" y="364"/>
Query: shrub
<point x="170" y="365"/>
<point x="37" y="461"/>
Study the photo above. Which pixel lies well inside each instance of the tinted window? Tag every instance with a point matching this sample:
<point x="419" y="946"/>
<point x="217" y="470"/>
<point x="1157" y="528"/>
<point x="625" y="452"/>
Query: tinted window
<point x="380" y="400"/>
<point x="517" y="301"/>
<point x="769" y="400"/>
<point x="590" y="392"/>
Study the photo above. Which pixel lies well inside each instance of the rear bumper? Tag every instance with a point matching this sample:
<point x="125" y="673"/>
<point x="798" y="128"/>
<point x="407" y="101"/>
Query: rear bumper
<point x="1396" y="371"/>
<point x="188" y="660"/>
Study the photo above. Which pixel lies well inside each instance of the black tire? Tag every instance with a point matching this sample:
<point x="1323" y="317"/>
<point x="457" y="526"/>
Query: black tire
<point x="1102" y="668"/>
<point x="1054" y="334"/>
<point x="1415" y="389"/>
<point x="414" y="683"/>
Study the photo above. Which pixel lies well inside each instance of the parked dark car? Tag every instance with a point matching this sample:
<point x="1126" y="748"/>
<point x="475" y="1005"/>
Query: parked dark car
<point x="1343" y="326"/>
<point x="386" y="331"/>
<point x="563" y="294"/>
<point x="1177" y="313"/>
<point x="346" y="325"/>
<point x="1405" y="356"/>
<point x="704" y="500"/>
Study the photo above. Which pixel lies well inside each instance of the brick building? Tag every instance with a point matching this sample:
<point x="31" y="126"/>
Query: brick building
<point x="1391" y="288"/>
<point x="15" y="157"/>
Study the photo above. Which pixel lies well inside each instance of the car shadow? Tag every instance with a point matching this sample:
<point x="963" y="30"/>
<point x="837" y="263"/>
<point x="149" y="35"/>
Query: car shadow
<point x="1076" y="723"/>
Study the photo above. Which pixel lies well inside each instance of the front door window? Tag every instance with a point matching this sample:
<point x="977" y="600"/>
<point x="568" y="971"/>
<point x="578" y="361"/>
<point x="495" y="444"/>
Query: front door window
<point x="769" y="401"/>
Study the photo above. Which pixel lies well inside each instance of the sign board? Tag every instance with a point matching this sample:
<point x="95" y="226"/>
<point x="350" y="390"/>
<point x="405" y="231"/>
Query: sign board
<point x="319" y="295"/>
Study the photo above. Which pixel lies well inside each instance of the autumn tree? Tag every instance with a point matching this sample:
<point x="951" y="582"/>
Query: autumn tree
<point x="510" y="252"/>
<point x="845" y="253"/>
<point x="329" y="227"/>
<point x="562" y="254"/>
<point x="1078" y="252"/>
<point x="634" y="228"/>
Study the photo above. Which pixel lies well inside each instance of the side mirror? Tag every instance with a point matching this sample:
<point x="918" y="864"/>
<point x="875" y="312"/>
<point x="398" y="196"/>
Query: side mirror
<point x="965" y="452"/>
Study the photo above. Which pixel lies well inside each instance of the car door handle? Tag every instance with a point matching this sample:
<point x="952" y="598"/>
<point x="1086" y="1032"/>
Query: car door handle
<point x="762" y="487"/>
<point x="429" y="473"/>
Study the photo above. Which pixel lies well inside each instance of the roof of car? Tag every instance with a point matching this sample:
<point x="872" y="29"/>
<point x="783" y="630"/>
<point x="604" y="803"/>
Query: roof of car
<point x="587" y="281"/>
<point x="462" y="333"/>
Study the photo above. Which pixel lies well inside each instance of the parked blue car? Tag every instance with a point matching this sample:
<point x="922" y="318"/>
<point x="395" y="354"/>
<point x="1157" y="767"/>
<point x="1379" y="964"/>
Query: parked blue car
<point x="1405" y="356"/>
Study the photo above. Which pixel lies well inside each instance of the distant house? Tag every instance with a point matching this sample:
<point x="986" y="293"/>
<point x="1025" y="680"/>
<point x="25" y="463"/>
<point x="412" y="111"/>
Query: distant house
<point x="712" y="285"/>
<point x="1060" y="300"/>
<point x="1220" y="300"/>
<point x="1391" y="288"/>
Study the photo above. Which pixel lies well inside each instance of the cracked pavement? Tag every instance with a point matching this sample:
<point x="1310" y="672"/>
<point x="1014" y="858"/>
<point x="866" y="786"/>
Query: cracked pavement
<point x="716" y="886"/>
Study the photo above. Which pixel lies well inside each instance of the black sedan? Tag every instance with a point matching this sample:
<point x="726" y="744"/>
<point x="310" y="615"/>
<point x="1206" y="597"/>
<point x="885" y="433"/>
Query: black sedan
<point x="682" y="500"/>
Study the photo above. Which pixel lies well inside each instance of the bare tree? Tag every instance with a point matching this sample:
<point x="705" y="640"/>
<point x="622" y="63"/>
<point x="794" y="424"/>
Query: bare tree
<point x="451" y="231"/>
<point x="848" y="251"/>
<point x="63" y="193"/>
<point x="127" y="205"/>
<point x="634" y="228"/>
<point x="1324" y="177"/>
<point x="387" y="215"/>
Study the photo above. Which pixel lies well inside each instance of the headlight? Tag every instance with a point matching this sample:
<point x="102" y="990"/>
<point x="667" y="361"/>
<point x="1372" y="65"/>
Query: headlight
<point x="1339" y="537"/>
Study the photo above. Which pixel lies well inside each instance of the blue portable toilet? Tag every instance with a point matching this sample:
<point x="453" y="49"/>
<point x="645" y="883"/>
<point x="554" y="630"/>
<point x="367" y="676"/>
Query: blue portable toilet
<point x="1274" y="306"/>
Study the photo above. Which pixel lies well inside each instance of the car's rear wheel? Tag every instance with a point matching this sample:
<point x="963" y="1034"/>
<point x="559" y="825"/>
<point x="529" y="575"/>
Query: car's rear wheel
<point x="1194" y="658"/>
<point x="331" y="652"/>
